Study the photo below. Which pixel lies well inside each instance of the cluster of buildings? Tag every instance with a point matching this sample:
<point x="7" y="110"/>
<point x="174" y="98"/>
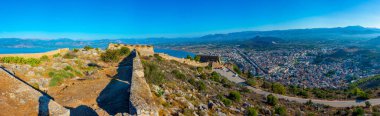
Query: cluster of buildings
<point x="295" y="66"/>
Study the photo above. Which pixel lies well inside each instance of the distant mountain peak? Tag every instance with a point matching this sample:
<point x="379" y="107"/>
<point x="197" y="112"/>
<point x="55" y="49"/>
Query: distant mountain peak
<point x="355" y="27"/>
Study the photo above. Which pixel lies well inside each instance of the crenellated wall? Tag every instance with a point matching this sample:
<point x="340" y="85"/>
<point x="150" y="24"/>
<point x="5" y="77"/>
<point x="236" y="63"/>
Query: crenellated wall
<point x="37" y="55"/>
<point x="144" y="50"/>
<point x="141" y="98"/>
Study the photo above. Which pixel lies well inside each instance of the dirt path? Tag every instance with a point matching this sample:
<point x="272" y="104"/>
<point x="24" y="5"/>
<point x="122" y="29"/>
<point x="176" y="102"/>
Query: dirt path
<point x="334" y="103"/>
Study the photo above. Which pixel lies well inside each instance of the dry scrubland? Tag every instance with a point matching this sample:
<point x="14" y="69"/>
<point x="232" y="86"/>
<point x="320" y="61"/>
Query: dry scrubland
<point x="184" y="89"/>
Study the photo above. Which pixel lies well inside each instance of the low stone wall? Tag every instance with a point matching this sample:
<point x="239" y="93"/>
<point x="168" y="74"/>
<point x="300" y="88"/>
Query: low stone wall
<point x="182" y="60"/>
<point x="19" y="98"/>
<point x="141" y="98"/>
<point x="144" y="50"/>
<point x="37" y="55"/>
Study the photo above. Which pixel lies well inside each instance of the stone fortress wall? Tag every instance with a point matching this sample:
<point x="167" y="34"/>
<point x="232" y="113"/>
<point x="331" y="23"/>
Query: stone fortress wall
<point x="37" y="55"/>
<point x="148" y="50"/>
<point x="142" y="103"/>
<point x="144" y="50"/>
<point x="182" y="60"/>
<point x="19" y="98"/>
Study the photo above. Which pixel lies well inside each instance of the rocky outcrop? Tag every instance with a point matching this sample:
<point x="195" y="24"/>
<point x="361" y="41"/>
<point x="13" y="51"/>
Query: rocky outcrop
<point x="37" y="55"/>
<point x="142" y="102"/>
<point x="18" y="98"/>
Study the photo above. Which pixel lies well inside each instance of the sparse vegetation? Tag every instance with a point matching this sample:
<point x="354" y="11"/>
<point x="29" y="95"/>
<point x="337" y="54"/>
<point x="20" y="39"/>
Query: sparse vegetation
<point x="56" y="55"/>
<point x="251" y="82"/>
<point x="252" y="112"/>
<point x="114" y="55"/>
<point x="278" y="88"/>
<point x="280" y="110"/>
<point x="69" y="55"/>
<point x="237" y="70"/>
<point x="179" y="75"/>
<point x="44" y="58"/>
<point x="58" y="76"/>
<point x="153" y="74"/>
<point x="87" y="48"/>
<point x="235" y="96"/>
<point x="21" y="60"/>
<point x="272" y="100"/>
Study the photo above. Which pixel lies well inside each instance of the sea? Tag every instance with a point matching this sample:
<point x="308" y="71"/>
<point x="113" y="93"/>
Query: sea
<point x="176" y="53"/>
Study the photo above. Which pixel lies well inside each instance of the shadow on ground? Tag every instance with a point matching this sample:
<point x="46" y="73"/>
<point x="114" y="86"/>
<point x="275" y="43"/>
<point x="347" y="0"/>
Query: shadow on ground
<point x="82" y="110"/>
<point x="43" y="105"/>
<point x="114" y="98"/>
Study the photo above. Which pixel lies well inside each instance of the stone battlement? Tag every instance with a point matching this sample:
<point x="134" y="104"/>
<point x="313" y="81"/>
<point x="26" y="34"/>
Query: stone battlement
<point x="143" y="50"/>
<point x="37" y="55"/>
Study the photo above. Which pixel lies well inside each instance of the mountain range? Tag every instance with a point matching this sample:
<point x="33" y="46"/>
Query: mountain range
<point x="356" y="33"/>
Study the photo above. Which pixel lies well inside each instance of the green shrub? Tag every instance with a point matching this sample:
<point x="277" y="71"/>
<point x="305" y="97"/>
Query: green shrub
<point x="358" y="112"/>
<point x="226" y="102"/>
<point x="75" y="50"/>
<point x="266" y="85"/>
<point x="56" y="55"/>
<point x="200" y="69"/>
<point x="152" y="73"/>
<point x="114" y="55"/>
<point x="158" y="57"/>
<point x="189" y="57"/>
<point x="203" y="76"/>
<point x="160" y="92"/>
<point x="251" y="82"/>
<point x="87" y="48"/>
<point x="236" y="69"/>
<point x="76" y="72"/>
<point x="201" y="85"/>
<point x="359" y="93"/>
<point x="110" y="56"/>
<point x="179" y="75"/>
<point x="272" y="100"/>
<point x="58" y="76"/>
<point x="21" y="60"/>
<point x="368" y="104"/>
<point x="215" y="76"/>
<point x="192" y="81"/>
<point x="44" y="58"/>
<point x="124" y="51"/>
<point x="280" y="110"/>
<point x="69" y="55"/>
<point x="235" y="96"/>
<point x="252" y="112"/>
<point x="278" y="88"/>
<point x="245" y="90"/>
<point x="197" y="58"/>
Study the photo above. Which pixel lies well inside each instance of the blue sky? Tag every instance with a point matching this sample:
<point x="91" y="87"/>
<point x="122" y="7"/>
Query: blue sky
<point x="98" y="19"/>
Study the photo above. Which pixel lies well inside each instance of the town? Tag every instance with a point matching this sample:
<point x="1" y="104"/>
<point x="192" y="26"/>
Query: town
<point x="292" y="66"/>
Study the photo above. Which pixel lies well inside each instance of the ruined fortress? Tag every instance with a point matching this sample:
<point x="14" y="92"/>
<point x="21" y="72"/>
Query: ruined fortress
<point x="17" y="96"/>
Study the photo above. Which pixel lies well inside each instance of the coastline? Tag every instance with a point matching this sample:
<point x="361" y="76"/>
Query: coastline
<point x="37" y="55"/>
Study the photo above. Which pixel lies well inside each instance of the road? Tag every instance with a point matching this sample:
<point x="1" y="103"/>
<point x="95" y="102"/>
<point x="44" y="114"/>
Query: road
<point x="333" y="103"/>
<point x="252" y="62"/>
